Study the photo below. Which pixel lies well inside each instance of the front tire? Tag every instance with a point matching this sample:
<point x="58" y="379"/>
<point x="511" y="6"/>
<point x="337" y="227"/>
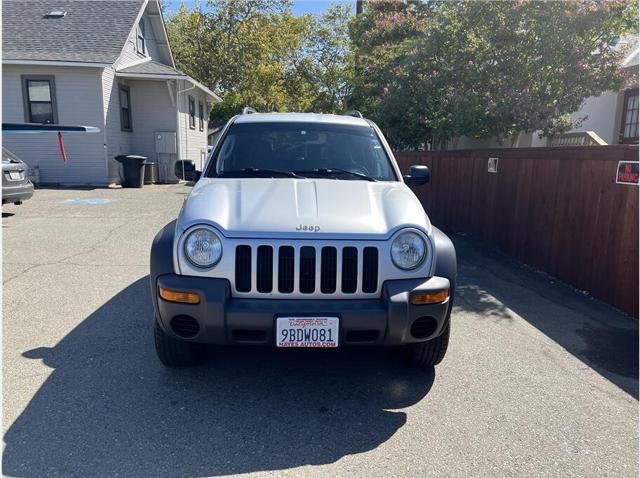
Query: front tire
<point x="176" y="353"/>
<point x="430" y="353"/>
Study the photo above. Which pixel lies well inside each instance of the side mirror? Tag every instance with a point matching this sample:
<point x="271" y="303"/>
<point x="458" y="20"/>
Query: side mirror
<point x="186" y="170"/>
<point x="420" y="175"/>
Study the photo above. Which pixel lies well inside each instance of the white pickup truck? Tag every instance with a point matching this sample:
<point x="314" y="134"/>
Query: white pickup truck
<point x="302" y="232"/>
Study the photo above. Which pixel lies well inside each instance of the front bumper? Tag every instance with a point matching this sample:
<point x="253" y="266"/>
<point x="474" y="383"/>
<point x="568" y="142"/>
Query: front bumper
<point x="223" y="319"/>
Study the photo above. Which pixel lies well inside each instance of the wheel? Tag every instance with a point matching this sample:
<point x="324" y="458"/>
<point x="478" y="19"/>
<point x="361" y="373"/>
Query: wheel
<point x="429" y="353"/>
<point x="176" y="353"/>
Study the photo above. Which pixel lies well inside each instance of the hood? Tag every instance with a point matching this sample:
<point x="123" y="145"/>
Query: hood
<point x="295" y="208"/>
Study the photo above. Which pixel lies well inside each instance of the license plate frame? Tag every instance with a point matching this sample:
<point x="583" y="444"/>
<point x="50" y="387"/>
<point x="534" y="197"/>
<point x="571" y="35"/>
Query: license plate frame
<point x="303" y="328"/>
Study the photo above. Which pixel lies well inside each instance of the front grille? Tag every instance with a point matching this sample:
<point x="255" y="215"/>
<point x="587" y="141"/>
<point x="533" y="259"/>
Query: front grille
<point x="307" y="269"/>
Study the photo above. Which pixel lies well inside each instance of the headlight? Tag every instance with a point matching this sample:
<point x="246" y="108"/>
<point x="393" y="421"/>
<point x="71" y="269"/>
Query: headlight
<point x="203" y="248"/>
<point x="408" y="250"/>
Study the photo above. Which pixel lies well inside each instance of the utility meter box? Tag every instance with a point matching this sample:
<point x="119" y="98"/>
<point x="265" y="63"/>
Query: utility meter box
<point x="166" y="142"/>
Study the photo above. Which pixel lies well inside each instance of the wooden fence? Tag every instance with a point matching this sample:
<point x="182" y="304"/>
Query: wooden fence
<point x="557" y="209"/>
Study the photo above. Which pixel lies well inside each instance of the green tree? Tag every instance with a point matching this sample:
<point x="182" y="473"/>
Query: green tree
<point x="436" y="70"/>
<point x="257" y="53"/>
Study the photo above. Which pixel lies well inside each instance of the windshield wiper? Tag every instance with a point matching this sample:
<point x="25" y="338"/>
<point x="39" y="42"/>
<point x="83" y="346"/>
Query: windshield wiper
<point x="330" y="171"/>
<point x="262" y="171"/>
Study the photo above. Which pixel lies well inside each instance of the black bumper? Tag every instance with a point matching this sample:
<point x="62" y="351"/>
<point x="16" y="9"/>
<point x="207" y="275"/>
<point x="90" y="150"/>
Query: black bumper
<point x="223" y="319"/>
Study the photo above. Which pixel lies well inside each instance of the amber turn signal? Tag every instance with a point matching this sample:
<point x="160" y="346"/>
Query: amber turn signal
<point x="182" y="297"/>
<point x="422" y="298"/>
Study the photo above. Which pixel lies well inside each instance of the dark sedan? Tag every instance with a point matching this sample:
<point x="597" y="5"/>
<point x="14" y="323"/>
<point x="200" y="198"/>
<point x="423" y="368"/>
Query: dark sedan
<point x="16" y="186"/>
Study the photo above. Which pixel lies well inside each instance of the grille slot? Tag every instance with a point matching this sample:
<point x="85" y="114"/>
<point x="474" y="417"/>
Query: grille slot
<point x="243" y="268"/>
<point x="307" y="270"/>
<point x="370" y="269"/>
<point x="328" y="270"/>
<point x="264" y="278"/>
<point x="285" y="269"/>
<point x="349" y="270"/>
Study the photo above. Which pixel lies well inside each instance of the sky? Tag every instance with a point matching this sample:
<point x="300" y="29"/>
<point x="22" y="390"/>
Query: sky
<point x="300" y="7"/>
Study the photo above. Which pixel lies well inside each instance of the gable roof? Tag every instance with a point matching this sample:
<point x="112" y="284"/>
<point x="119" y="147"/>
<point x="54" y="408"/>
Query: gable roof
<point x="153" y="70"/>
<point x="92" y="31"/>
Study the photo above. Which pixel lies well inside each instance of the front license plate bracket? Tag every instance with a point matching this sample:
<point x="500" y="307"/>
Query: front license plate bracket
<point x="314" y="332"/>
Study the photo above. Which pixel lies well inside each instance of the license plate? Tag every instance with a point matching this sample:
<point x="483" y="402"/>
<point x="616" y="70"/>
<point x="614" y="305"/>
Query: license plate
<point x="15" y="174"/>
<point x="307" y="332"/>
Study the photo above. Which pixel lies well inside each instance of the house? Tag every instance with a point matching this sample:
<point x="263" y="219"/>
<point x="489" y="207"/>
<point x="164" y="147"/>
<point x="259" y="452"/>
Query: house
<point x="611" y="118"/>
<point x="104" y="63"/>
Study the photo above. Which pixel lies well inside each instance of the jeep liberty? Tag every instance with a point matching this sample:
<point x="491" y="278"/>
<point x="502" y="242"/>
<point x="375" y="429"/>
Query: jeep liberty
<point x="302" y="232"/>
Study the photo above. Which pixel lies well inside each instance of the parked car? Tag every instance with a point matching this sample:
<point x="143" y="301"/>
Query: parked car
<point x="16" y="186"/>
<point x="302" y="232"/>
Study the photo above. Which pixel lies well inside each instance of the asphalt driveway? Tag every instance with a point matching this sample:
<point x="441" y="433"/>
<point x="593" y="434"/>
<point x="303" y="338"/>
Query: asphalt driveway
<point x="540" y="380"/>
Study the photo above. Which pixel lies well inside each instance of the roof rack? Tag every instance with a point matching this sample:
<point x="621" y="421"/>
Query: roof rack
<point x="248" y="110"/>
<point x="354" y="113"/>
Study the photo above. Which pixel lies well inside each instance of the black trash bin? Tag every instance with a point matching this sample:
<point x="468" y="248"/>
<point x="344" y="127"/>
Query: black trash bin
<point x="133" y="167"/>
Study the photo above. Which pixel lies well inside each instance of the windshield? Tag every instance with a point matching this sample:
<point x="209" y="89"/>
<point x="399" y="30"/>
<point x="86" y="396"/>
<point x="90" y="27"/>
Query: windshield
<point x="305" y="149"/>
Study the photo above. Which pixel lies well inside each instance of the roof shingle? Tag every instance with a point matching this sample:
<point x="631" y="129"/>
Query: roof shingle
<point x="92" y="31"/>
<point x="151" y="68"/>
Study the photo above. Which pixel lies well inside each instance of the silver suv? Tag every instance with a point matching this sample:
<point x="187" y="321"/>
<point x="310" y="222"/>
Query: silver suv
<point x="301" y="232"/>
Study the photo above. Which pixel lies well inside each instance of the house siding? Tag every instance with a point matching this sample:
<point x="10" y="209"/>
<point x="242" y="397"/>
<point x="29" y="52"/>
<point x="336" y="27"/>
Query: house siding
<point x="193" y="142"/>
<point x="152" y="112"/>
<point x="130" y="56"/>
<point x="117" y="141"/>
<point x="79" y="101"/>
<point x="602" y="115"/>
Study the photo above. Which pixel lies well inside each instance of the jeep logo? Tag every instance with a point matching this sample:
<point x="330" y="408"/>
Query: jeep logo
<point x="303" y="227"/>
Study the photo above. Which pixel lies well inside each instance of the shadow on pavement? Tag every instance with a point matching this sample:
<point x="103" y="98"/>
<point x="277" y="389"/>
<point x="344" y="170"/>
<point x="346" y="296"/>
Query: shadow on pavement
<point x="495" y="286"/>
<point x="110" y="408"/>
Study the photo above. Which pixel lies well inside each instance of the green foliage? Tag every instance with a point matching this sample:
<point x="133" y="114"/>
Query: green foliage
<point x="255" y="52"/>
<point x="424" y="71"/>
<point x="436" y="70"/>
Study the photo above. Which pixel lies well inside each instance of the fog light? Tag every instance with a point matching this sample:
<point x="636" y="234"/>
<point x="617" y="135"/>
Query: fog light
<point x="422" y="298"/>
<point x="177" y="296"/>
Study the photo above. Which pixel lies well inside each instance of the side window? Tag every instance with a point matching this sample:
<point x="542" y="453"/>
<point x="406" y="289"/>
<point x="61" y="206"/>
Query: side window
<point x="39" y="97"/>
<point x="141" y="48"/>
<point x="192" y="113"/>
<point x="201" y="115"/>
<point x="629" y="125"/>
<point x="125" y="108"/>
